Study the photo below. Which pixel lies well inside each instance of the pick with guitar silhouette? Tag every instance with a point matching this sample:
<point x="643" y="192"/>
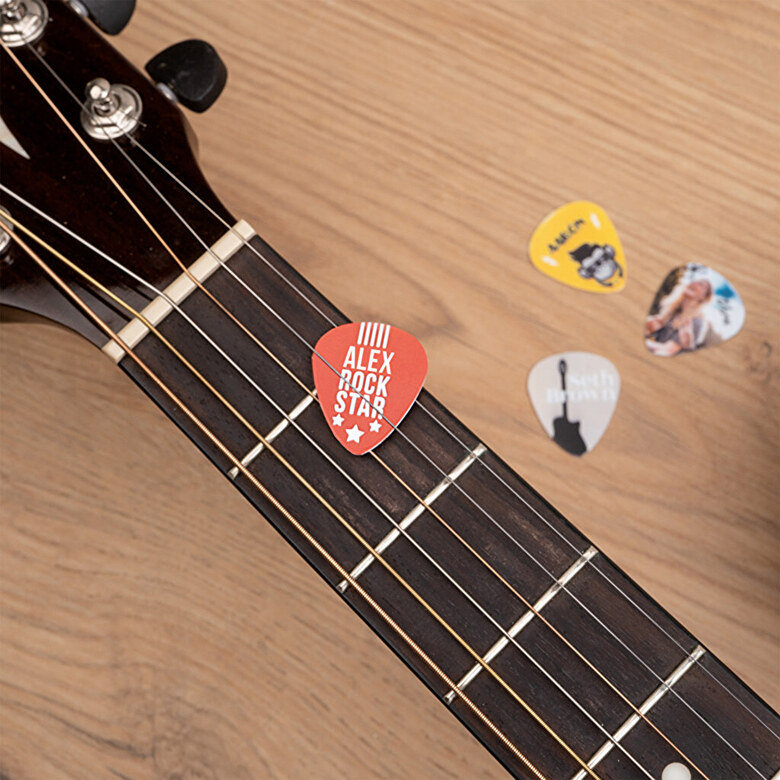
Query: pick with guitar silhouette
<point x="578" y="245"/>
<point x="574" y="395"/>
<point x="367" y="376"/>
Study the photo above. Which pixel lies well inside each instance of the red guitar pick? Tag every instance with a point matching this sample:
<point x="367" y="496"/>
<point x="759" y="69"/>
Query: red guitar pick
<point x="367" y="376"/>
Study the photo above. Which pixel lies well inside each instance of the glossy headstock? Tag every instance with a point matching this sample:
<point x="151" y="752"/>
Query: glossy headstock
<point x="45" y="164"/>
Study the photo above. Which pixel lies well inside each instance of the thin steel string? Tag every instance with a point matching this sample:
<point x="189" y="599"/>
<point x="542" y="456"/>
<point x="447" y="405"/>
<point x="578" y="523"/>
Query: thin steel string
<point x="530" y="606"/>
<point x="318" y="496"/>
<point x="259" y="436"/>
<point x="550" y="574"/>
<point x="420" y="500"/>
<point x="280" y="507"/>
<point x="525" y="601"/>
<point x="358" y="487"/>
<point x="592" y="564"/>
<point x="246" y="242"/>
<point x="458" y="487"/>
<point x="314" y="351"/>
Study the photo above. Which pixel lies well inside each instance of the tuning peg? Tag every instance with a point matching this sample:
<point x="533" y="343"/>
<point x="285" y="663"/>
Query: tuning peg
<point x="110" y="16"/>
<point x="191" y="71"/>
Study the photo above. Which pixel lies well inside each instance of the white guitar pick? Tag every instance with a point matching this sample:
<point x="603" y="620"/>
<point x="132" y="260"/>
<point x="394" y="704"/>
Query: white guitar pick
<point x="574" y="395"/>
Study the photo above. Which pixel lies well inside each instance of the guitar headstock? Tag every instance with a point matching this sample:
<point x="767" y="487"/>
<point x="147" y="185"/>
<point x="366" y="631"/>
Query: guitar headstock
<point x="92" y="150"/>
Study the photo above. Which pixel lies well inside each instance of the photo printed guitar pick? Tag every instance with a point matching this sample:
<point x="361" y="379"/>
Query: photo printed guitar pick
<point x="695" y="307"/>
<point x="367" y="375"/>
<point x="574" y="395"/>
<point x="578" y="245"/>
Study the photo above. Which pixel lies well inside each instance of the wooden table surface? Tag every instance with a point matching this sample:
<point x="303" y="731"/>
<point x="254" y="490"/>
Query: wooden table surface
<point x="400" y="154"/>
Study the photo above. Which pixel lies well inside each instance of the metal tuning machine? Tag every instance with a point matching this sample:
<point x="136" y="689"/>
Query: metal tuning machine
<point x="22" y="21"/>
<point x="5" y="236"/>
<point x="111" y="110"/>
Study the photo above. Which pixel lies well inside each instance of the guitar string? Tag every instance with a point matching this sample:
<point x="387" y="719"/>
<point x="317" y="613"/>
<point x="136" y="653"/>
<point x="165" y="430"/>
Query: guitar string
<point x="348" y="477"/>
<point x="349" y="384"/>
<point x="525" y="601"/>
<point x="454" y="436"/>
<point x="389" y="518"/>
<point x="321" y="550"/>
<point x="313" y="491"/>
<point x="259" y="436"/>
<point x="483" y="464"/>
<point x="290" y="283"/>
<point x="592" y="564"/>
<point x="550" y="574"/>
<point x="313" y="350"/>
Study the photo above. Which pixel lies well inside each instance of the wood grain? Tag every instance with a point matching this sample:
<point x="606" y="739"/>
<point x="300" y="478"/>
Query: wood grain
<point x="400" y="155"/>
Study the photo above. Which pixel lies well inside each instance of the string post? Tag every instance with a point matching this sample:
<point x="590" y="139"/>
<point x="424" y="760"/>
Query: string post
<point x="22" y="21"/>
<point x="110" y="110"/>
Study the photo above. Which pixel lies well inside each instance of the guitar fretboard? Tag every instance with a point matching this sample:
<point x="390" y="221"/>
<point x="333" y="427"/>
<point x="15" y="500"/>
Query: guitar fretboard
<point x="578" y="669"/>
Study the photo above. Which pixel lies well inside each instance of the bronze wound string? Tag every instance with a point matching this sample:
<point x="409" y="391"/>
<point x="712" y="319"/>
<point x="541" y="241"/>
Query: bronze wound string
<point x="277" y="505"/>
<point x="302" y="480"/>
<point x="481" y="464"/>
<point x="511" y="639"/>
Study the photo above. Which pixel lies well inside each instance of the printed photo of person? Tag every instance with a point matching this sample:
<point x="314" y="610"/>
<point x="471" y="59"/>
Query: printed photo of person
<point x="694" y="308"/>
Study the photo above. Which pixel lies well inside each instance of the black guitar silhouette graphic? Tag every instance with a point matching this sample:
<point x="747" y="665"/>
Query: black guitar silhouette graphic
<point x="567" y="433"/>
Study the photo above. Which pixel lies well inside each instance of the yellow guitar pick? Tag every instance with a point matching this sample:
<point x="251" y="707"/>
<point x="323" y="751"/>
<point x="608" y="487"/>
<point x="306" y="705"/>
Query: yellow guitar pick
<point x="578" y="245"/>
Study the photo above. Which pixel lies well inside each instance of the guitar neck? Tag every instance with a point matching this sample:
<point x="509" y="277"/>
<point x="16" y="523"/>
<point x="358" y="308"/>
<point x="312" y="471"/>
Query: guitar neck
<point x="540" y="645"/>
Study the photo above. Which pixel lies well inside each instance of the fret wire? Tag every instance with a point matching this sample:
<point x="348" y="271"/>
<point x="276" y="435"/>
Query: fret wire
<point x="321" y="499"/>
<point x="341" y="570"/>
<point x="646" y="706"/>
<point x="458" y="487"/>
<point x="504" y="632"/>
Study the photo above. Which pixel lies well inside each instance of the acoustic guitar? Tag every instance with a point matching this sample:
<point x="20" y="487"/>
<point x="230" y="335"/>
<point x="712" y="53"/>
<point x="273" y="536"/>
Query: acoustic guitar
<point x="521" y="628"/>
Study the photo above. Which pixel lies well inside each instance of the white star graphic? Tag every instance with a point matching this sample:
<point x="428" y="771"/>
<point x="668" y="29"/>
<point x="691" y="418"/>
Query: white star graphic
<point x="375" y="426"/>
<point x="354" y="433"/>
<point x="338" y="419"/>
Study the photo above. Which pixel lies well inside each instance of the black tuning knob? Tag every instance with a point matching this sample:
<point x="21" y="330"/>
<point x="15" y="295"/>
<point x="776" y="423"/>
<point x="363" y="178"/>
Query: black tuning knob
<point x="110" y="16"/>
<point x="192" y="70"/>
